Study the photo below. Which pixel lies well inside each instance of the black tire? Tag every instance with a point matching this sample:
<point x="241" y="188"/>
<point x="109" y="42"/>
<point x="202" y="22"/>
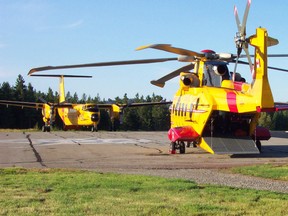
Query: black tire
<point x="182" y="147"/>
<point x="94" y="129"/>
<point x="172" y="148"/>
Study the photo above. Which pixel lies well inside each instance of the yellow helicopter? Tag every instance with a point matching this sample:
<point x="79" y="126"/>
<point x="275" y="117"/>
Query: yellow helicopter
<point x="75" y="116"/>
<point x="213" y="108"/>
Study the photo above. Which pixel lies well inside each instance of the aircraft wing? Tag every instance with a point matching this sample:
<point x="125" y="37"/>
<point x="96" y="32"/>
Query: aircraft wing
<point x="22" y="104"/>
<point x="280" y="106"/>
<point x="109" y="106"/>
<point x="144" y="104"/>
<point x="35" y="105"/>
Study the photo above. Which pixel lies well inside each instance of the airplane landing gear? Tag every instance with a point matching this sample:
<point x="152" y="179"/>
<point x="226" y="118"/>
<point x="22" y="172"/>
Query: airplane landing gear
<point x="177" y="145"/>
<point x="46" y="128"/>
<point x="94" y="129"/>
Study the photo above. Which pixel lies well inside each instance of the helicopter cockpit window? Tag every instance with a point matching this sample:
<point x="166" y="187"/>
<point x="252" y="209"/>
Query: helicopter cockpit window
<point x="214" y="74"/>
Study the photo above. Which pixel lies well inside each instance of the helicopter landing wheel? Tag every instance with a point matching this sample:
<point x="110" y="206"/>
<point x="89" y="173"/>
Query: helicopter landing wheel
<point x="181" y="147"/>
<point x="172" y="148"/>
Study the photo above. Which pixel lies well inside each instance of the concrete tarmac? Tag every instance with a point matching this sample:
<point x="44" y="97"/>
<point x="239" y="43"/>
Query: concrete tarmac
<point x="113" y="151"/>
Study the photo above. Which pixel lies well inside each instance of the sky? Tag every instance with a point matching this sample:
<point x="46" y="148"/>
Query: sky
<point x="36" y="33"/>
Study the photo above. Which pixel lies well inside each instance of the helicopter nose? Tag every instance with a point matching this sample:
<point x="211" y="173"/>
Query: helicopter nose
<point x="94" y="117"/>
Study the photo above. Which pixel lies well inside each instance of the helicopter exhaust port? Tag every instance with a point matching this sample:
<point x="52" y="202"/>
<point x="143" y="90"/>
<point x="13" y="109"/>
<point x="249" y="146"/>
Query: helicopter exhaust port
<point x="220" y="69"/>
<point x="186" y="80"/>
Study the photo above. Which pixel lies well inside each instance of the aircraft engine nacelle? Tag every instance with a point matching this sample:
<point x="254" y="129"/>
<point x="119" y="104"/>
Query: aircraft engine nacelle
<point x="188" y="80"/>
<point x="220" y="69"/>
<point x="95" y="117"/>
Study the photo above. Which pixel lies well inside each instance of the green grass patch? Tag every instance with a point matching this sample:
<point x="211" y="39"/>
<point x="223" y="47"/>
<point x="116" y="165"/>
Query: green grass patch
<point x="278" y="172"/>
<point x="75" y="192"/>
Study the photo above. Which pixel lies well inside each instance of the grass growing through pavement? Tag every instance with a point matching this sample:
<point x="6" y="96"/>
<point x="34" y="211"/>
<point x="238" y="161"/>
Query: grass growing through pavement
<point x="71" y="192"/>
<point x="279" y="172"/>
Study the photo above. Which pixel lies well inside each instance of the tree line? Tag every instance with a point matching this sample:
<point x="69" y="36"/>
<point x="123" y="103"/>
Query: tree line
<point x="140" y="118"/>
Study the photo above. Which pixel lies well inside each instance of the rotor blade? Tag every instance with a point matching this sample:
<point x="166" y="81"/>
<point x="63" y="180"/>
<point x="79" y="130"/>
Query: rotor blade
<point x="250" y="62"/>
<point x="69" y="76"/>
<point x="244" y="21"/>
<point x="270" y="67"/>
<point x="99" y="64"/>
<point x="237" y="19"/>
<point x="235" y="68"/>
<point x="169" y="48"/>
<point x="161" y="82"/>
<point x="269" y="55"/>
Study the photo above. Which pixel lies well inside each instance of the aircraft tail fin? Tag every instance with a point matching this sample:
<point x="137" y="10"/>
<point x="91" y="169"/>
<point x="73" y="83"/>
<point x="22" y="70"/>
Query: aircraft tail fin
<point x="260" y="87"/>
<point x="61" y="85"/>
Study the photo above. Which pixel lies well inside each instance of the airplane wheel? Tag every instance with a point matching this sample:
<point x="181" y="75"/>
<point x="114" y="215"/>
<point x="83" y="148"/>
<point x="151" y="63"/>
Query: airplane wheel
<point x="172" y="148"/>
<point x="46" y="128"/>
<point x="258" y="145"/>
<point x="182" y="148"/>
<point x="94" y="129"/>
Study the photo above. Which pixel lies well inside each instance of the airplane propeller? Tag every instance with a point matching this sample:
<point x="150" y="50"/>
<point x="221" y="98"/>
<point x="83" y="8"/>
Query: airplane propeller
<point x="240" y="38"/>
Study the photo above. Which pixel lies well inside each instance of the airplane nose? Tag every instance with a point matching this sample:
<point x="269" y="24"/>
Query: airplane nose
<point x="94" y="117"/>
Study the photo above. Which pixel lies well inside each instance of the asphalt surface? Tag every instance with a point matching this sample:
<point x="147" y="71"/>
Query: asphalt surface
<point x="137" y="152"/>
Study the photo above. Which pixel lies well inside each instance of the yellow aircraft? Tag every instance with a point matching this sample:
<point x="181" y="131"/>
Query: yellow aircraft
<point x="75" y="116"/>
<point x="216" y="109"/>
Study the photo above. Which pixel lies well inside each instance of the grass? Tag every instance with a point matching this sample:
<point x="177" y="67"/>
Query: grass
<point x="277" y="172"/>
<point x="75" y="192"/>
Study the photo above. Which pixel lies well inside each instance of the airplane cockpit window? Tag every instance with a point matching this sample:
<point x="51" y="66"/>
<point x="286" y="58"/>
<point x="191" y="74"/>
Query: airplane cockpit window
<point x="214" y="73"/>
<point x="91" y="108"/>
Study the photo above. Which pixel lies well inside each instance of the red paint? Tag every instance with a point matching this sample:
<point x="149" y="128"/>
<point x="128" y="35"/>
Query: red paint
<point x="262" y="133"/>
<point x="186" y="133"/>
<point x="238" y="85"/>
<point x="231" y="100"/>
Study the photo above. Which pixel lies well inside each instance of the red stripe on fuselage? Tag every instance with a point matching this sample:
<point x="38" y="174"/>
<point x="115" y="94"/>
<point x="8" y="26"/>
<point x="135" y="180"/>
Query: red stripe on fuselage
<point x="231" y="100"/>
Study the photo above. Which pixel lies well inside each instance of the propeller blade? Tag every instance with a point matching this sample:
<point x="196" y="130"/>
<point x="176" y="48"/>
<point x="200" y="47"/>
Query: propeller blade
<point x="237" y="18"/>
<point x="161" y="82"/>
<point x="169" y="48"/>
<point x="235" y="68"/>
<point x="244" y="21"/>
<point x="99" y="64"/>
<point x="250" y="62"/>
